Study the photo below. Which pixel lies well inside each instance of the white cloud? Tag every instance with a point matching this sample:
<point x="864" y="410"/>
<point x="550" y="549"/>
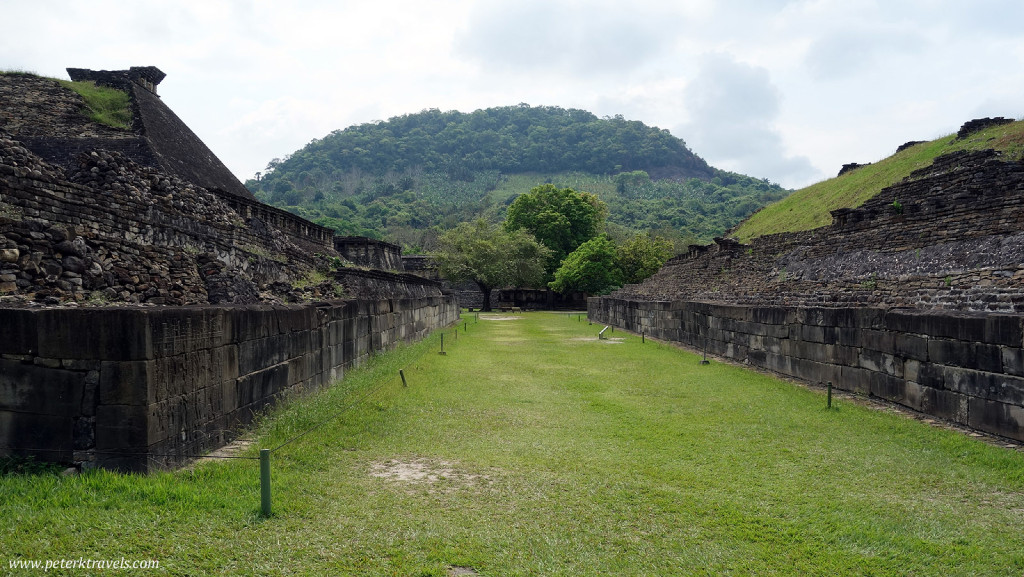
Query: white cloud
<point x="580" y="38"/>
<point x="796" y="89"/>
<point x="733" y="109"/>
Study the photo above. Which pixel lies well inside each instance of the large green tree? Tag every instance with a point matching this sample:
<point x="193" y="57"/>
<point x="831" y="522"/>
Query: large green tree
<point x="641" y="256"/>
<point x="560" y="218"/>
<point x="592" y="268"/>
<point x="491" y="257"/>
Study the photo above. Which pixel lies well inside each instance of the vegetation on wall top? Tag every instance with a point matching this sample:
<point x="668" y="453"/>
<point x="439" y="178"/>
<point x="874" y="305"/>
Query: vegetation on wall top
<point x="809" y="207"/>
<point x="104" y="105"/>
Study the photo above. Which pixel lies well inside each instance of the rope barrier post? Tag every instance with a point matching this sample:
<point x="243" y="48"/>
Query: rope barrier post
<point x="829" y="395"/>
<point x="442" y="345"/>
<point x="265" y="482"/>
<point x="401" y="373"/>
<point x="643" y="337"/>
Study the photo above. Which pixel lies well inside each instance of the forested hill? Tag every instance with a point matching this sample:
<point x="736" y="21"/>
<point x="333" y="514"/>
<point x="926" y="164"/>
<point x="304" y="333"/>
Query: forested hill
<point x="407" y="178"/>
<point x="510" y="139"/>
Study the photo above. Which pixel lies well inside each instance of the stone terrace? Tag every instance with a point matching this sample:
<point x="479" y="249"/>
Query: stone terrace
<point x="949" y="237"/>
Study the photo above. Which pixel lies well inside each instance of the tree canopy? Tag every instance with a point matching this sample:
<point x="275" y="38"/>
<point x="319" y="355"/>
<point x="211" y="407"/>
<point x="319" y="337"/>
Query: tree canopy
<point x="560" y="218"/>
<point x="519" y="138"/>
<point x="642" y="256"/>
<point x="491" y="256"/>
<point x="592" y="268"/>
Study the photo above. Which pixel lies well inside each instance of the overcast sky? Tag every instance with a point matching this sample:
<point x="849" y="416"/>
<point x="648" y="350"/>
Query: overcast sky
<point x="787" y="91"/>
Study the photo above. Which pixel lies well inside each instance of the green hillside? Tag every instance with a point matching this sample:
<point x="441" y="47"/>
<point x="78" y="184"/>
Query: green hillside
<point x="407" y="179"/>
<point x="808" y="208"/>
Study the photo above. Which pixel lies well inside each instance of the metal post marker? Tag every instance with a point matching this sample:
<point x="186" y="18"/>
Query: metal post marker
<point x="265" y="482"/>
<point x="401" y="373"/>
<point x="705" y="361"/>
<point x="643" y="338"/>
<point x="829" y="394"/>
<point x="442" y="345"/>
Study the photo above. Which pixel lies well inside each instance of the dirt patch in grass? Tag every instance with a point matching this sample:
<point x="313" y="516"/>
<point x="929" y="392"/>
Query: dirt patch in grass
<point x="232" y="450"/>
<point x="609" y="341"/>
<point x="501" y="318"/>
<point x="425" y="472"/>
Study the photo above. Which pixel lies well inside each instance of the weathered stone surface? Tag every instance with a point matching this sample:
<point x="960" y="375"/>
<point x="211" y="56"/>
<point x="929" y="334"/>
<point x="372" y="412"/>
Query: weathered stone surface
<point x="956" y="245"/>
<point x="912" y="358"/>
<point x="177" y="381"/>
<point x="30" y="388"/>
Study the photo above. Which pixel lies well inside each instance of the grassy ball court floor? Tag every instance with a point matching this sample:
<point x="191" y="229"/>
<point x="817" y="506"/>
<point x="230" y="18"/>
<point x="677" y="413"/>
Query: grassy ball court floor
<point x="533" y="448"/>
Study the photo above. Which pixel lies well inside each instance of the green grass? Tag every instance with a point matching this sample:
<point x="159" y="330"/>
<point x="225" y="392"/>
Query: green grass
<point x="555" y="456"/>
<point x="19" y="72"/>
<point x="808" y="208"/>
<point x="104" y="105"/>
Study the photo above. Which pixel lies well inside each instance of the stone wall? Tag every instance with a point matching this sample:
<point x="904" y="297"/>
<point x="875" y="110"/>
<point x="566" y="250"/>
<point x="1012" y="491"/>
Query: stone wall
<point x="949" y="237"/>
<point x="421" y="265"/>
<point x="370" y="252"/>
<point x="380" y="284"/>
<point x="541" y="299"/>
<point x="114" y="231"/>
<point x="141" y="388"/>
<point x="966" y="367"/>
<point x="48" y="120"/>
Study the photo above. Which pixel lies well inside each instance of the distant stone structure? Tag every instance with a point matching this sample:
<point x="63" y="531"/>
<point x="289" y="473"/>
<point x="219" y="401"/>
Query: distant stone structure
<point x="977" y="124"/>
<point x="916" y="297"/>
<point x="370" y="252"/>
<point x="851" y="166"/>
<point x="422" y="265"/>
<point x="541" y="299"/>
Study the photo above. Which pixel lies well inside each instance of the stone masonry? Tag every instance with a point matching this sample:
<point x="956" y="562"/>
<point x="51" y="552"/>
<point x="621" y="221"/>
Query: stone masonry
<point x="141" y="388"/>
<point x="143" y="290"/>
<point x="916" y="297"/>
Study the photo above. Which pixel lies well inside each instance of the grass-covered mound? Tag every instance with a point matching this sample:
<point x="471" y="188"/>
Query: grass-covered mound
<point x="808" y="208"/>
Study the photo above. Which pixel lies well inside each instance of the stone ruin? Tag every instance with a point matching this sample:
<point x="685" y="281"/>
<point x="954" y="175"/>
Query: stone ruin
<point x="91" y="214"/>
<point x="151" y="305"/>
<point x="916" y="297"/>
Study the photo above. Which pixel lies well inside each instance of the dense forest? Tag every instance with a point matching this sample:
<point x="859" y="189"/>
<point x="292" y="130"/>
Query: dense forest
<point x="413" y="176"/>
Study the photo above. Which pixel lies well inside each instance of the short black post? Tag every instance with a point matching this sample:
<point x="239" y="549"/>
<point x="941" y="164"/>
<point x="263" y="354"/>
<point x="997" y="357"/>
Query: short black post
<point x="265" y="482"/>
<point x="829" y="394"/>
<point x="643" y="337"/>
<point x="704" y="361"/>
<point x="442" y="345"/>
<point x="401" y="373"/>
